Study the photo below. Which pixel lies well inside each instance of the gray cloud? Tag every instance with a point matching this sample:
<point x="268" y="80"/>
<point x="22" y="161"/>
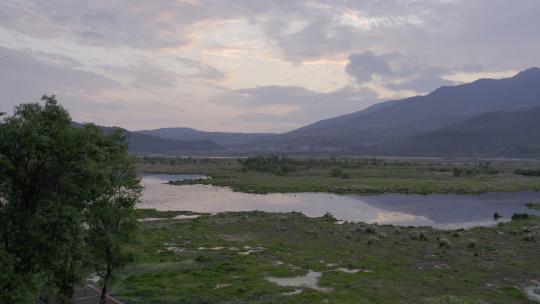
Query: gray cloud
<point x="26" y="76"/>
<point x="471" y="67"/>
<point x="422" y="80"/>
<point x="308" y="106"/>
<point x="202" y="70"/>
<point x="445" y="32"/>
<point x="131" y="23"/>
<point x="147" y="74"/>
<point x="400" y="44"/>
<point x="363" y="66"/>
<point x="395" y="72"/>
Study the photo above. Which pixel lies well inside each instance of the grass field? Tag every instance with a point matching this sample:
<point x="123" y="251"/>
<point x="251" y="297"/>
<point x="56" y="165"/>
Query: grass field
<point x="227" y="258"/>
<point x="356" y="175"/>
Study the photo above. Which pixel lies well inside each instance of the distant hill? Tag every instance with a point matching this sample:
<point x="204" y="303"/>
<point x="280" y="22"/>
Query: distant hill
<point x="144" y="144"/>
<point x="374" y="128"/>
<point x="510" y="134"/>
<point x="148" y="144"/>
<point x="220" y="138"/>
<point x="485" y="118"/>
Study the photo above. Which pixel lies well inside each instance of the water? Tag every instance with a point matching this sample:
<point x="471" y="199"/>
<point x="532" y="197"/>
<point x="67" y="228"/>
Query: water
<point x="445" y="211"/>
<point x="310" y="280"/>
<point x="153" y="179"/>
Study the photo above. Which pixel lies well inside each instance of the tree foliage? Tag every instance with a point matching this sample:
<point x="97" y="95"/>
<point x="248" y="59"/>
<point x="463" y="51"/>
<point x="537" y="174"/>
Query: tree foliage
<point x="53" y="179"/>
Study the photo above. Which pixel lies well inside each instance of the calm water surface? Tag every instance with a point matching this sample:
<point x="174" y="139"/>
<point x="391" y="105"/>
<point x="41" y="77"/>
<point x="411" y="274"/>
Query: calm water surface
<point x="438" y="210"/>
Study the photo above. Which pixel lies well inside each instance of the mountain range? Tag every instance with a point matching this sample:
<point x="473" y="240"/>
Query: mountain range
<point x="485" y="118"/>
<point x="220" y="138"/>
<point x="140" y="143"/>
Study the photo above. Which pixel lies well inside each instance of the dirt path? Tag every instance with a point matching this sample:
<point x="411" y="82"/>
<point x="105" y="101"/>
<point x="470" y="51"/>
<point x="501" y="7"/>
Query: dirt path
<point x="88" y="295"/>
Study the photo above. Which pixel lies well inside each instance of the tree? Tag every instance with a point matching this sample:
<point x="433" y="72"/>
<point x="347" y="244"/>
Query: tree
<point x="111" y="220"/>
<point x="54" y="178"/>
<point x="41" y="190"/>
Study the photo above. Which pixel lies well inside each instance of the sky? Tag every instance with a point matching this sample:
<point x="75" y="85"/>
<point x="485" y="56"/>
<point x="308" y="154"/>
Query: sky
<point x="252" y="65"/>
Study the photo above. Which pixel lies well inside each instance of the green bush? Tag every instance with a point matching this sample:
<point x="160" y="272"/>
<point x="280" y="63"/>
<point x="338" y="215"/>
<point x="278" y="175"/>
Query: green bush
<point x="527" y="172"/>
<point x="336" y="172"/>
<point x="520" y="216"/>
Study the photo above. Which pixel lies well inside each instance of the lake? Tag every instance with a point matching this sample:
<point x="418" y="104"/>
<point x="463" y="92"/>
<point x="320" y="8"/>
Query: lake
<point x="444" y="211"/>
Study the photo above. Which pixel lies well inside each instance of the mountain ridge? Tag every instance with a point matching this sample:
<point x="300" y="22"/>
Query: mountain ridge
<point x="220" y="138"/>
<point x="139" y="143"/>
<point x="502" y="133"/>
<point x="398" y="119"/>
<point x="465" y="119"/>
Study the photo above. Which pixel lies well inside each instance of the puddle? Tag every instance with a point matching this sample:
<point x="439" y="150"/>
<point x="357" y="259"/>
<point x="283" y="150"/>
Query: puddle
<point x="533" y="291"/>
<point x="178" y="217"/>
<point x="151" y="219"/>
<point x="331" y="264"/>
<point x="186" y="216"/>
<point x="212" y="248"/>
<point x="250" y="250"/>
<point x="292" y="293"/>
<point x="219" y="286"/>
<point x="175" y="249"/>
<point x="347" y="270"/>
<point x="310" y="280"/>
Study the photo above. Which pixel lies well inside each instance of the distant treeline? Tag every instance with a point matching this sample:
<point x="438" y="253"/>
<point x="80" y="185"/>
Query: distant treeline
<point x="284" y="164"/>
<point x="162" y="160"/>
<point x="472" y="170"/>
<point x="339" y="166"/>
<point x="280" y="165"/>
<point x="275" y="164"/>
<point x="527" y="172"/>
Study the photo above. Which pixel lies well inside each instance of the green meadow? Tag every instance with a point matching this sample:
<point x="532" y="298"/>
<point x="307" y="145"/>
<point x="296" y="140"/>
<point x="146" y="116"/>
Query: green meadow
<point x="232" y="258"/>
<point x="352" y="175"/>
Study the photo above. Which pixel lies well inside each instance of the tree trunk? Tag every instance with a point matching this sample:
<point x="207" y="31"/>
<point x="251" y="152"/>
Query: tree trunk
<point x="103" y="298"/>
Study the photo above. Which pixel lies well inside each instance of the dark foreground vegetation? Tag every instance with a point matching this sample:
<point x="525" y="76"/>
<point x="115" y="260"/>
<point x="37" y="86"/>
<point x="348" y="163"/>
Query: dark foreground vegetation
<point x="230" y="257"/>
<point x="351" y="175"/>
<point x="67" y="197"/>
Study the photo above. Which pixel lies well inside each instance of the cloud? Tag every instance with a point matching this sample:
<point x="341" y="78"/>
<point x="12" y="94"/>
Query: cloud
<point x="202" y="70"/>
<point x="365" y="65"/>
<point x="27" y="75"/>
<point x="395" y="73"/>
<point x="422" y="80"/>
<point x="288" y="106"/>
<point x="481" y="31"/>
<point x="139" y="24"/>
<point x="179" y="57"/>
<point x="149" y="74"/>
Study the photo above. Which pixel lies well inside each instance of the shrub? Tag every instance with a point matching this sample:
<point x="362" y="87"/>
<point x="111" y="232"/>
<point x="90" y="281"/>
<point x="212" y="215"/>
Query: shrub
<point x="445" y="243"/>
<point x="472" y="243"/>
<point x="417" y="235"/>
<point x="533" y="205"/>
<point x="275" y="164"/>
<point x="345" y="175"/>
<point x="520" y="216"/>
<point x="527" y="172"/>
<point x="336" y="172"/>
<point x="529" y="237"/>
<point x="373" y="240"/>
